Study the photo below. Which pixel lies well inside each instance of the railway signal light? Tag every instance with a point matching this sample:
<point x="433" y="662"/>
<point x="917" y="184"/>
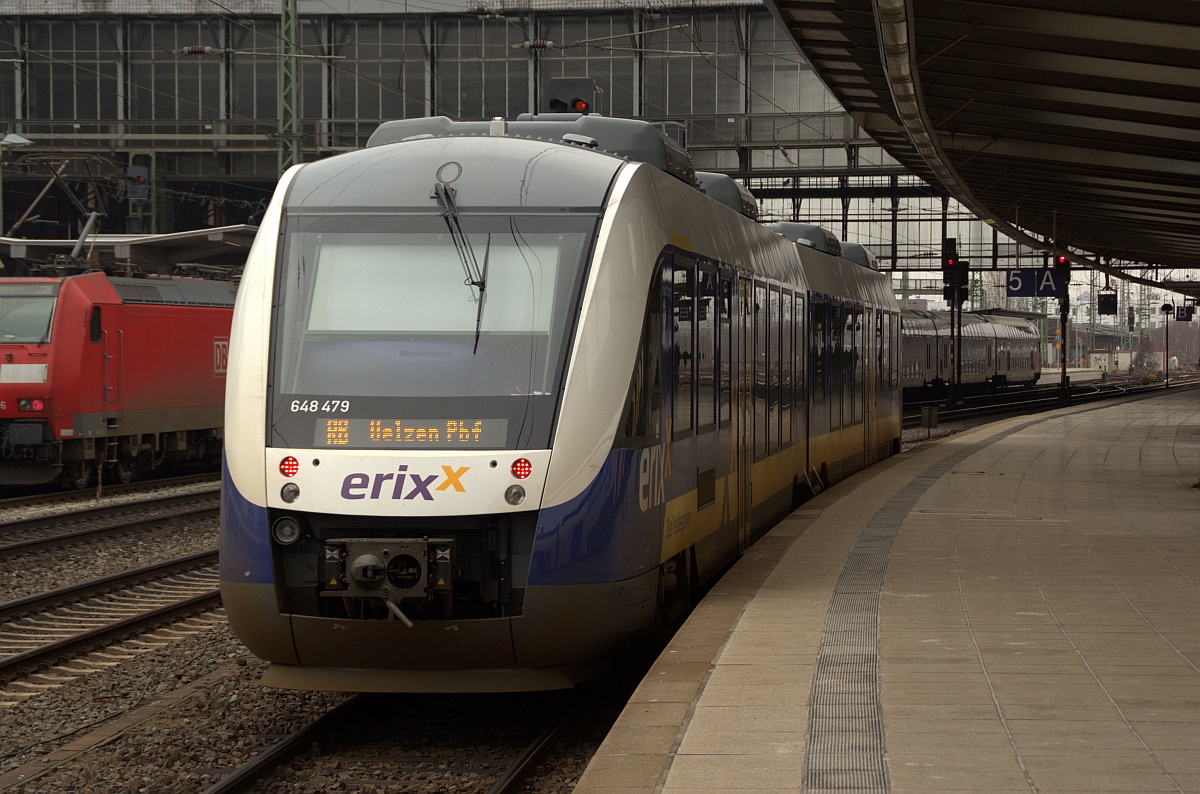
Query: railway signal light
<point x="949" y="259"/>
<point x="137" y="179"/>
<point x="571" y="95"/>
<point x="1129" y="316"/>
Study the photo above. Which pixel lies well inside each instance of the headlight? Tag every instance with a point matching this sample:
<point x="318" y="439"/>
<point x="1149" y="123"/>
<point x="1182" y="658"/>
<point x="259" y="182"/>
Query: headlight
<point x="286" y="531"/>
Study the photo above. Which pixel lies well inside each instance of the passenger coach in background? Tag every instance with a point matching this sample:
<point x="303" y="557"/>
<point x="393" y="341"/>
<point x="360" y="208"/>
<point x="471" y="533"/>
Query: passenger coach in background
<point x="111" y="375"/>
<point x="999" y="350"/>
<point x="524" y="387"/>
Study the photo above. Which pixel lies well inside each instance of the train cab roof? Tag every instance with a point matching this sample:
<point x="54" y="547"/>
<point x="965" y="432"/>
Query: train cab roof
<point x="630" y="139"/>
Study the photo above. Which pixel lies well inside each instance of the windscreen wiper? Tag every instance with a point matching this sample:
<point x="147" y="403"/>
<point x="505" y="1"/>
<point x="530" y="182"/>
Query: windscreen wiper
<point x="466" y="255"/>
<point x="475" y="277"/>
<point x="482" y="294"/>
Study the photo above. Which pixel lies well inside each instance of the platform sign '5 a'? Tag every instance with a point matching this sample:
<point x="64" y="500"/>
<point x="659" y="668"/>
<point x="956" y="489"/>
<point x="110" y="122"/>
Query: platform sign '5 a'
<point x="220" y="356"/>
<point x="1037" y="283"/>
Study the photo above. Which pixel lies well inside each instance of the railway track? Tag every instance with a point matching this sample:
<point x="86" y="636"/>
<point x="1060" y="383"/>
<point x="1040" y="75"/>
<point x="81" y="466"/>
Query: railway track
<point x="39" y="631"/>
<point x="89" y="522"/>
<point x="1041" y="399"/>
<point x="472" y="770"/>
<point x="109" y="491"/>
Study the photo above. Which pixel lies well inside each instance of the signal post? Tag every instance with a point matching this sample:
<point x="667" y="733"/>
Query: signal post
<point x="956" y="275"/>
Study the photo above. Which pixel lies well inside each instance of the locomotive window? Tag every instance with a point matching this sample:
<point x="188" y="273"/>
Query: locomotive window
<point x="725" y="349"/>
<point x="761" y="359"/>
<point x="706" y="342"/>
<point x="640" y="423"/>
<point x="27" y="312"/>
<point x="94" y="332"/>
<point x="682" y="348"/>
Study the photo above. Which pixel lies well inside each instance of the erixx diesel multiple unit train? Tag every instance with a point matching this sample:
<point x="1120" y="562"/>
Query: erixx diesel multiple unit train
<point x="109" y="374"/>
<point x="998" y="350"/>
<point x="501" y="395"/>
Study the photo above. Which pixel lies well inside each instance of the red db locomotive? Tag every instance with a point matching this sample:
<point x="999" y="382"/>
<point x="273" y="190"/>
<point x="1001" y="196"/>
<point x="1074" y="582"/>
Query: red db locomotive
<point x="109" y="375"/>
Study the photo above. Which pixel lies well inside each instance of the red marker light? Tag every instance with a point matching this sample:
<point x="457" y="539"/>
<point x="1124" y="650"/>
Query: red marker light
<point x="289" y="466"/>
<point x="521" y="468"/>
<point x="38" y="405"/>
<point x="580" y="106"/>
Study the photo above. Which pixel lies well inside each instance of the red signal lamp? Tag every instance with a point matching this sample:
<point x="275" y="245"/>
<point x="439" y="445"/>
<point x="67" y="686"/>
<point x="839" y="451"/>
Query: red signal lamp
<point x="521" y="468"/>
<point x="289" y="466"/>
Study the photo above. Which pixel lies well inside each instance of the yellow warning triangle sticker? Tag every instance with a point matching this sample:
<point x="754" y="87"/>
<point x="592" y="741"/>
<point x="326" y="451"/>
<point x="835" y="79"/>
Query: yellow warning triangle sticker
<point x="441" y="582"/>
<point x="333" y="581"/>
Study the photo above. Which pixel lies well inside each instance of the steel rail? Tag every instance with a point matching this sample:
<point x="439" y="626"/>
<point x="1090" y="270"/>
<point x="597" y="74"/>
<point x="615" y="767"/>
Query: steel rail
<point x="46" y="656"/>
<point x="101" y="511"/>
<point x="106" y="529"/>
<point x="1079" y="395"/>
<point x="519" y="770"/>
<point x="40" y="602"/>
<point x="133" y="487"/>
<point x="257" y="767"/>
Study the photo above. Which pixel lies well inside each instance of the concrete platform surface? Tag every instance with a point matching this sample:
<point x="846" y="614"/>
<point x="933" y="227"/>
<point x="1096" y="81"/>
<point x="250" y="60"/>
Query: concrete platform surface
<point x="1012" y="609"/>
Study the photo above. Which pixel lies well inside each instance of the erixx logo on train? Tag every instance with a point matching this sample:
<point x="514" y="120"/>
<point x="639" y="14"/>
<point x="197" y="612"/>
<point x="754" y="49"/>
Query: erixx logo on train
<point x="402" y="484"/>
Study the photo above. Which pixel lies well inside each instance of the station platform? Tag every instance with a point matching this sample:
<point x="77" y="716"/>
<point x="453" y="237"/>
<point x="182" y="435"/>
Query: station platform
<point x="1053" y="376"/>
<point x="1015" y="608"/>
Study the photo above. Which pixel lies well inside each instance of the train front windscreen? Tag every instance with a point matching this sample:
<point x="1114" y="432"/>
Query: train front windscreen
<point x="406" y="332"/>
<point x="27" y="312"/>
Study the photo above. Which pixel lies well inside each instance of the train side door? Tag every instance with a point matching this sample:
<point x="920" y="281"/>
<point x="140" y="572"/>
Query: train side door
<point x="114" y="367"/>
<point x="744" y="410"/>
<point x="108" y="340"/>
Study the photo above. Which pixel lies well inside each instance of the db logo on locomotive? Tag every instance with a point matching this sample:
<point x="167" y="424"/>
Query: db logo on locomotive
<point x="220" y="355"/>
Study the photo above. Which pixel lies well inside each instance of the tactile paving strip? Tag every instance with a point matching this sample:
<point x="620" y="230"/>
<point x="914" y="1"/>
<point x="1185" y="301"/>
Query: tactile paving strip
<point x="845" y="749"/>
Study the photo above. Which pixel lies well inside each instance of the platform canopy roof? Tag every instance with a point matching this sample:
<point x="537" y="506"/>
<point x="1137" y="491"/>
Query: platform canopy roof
<point x="220" y="247"/>
<point x="1057" y="120"/>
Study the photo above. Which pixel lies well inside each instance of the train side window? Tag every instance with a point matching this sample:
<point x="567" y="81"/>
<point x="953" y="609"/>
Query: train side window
<point x="725" y="349"/>
<point x="894" y="342"/>
<point x="706" y="352"/>
<point x="837" y="375"/>
<point x="682" y="348"/>
<point x="643" y="407"/>
<point x="761" y="333"/>
<point x="882" y="359"/>
<point x="820" y="333"/>
<point x="774" y="369"/>
<point x="859" y="358"/>
<point x="798" y="348"/>
<point x="94" y="329"/>
<point x="798" y="363"/>
<point x="785" y="371"/>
